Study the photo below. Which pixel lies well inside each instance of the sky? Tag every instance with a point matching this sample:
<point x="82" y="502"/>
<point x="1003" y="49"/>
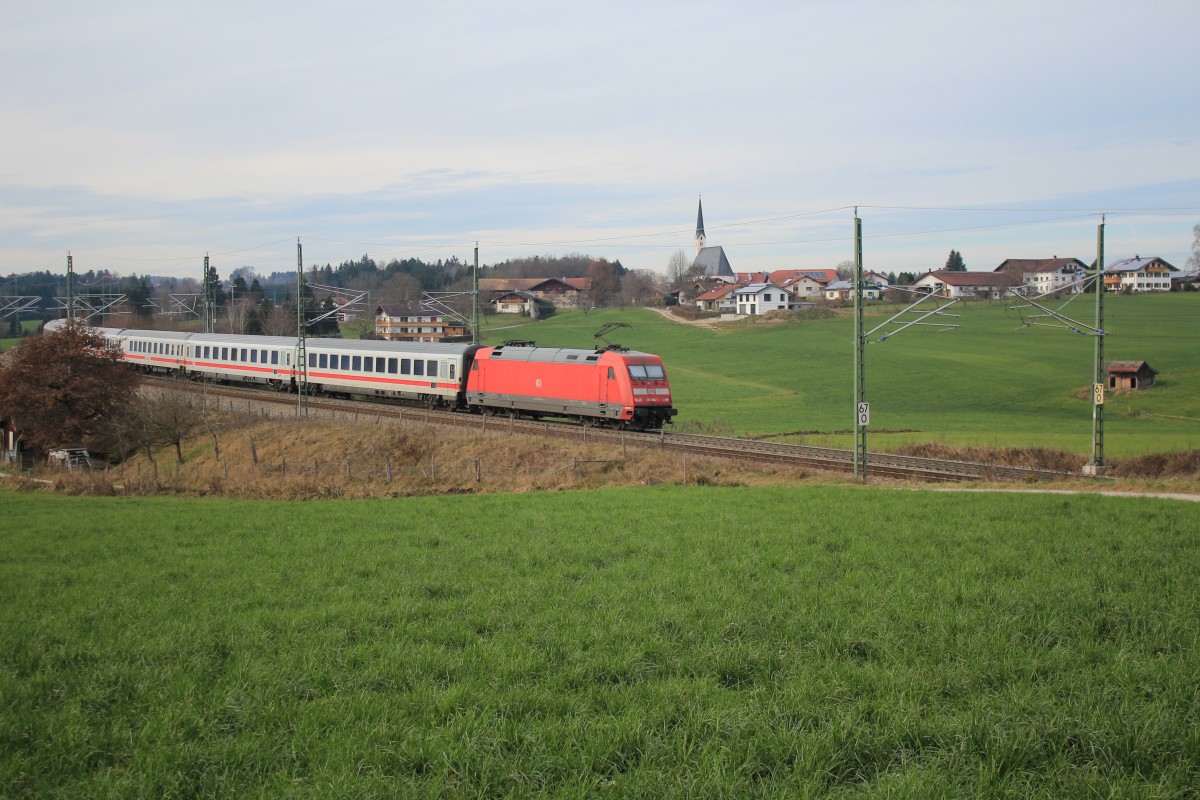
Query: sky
<point x="140" y="136"/>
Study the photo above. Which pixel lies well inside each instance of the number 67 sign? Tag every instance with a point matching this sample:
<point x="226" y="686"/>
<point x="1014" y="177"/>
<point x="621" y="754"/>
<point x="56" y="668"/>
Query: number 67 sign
<point x="864" y="414"/>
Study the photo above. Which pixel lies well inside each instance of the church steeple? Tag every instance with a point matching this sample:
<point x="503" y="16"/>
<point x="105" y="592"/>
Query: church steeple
<point x="699" y="226"/>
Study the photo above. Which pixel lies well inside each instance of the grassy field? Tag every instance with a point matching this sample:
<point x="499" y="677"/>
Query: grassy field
<point x="991" y="383"/>
<point x="637" y="643"/>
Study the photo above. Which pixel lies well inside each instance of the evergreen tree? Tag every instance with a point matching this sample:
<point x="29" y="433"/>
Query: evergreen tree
<point x="955" y="262"/>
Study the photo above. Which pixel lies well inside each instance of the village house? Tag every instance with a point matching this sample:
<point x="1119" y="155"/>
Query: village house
<point x="1136" y="275"/>
<point x="399" y="323"/>
<point x="761" y="298"/>
<point x="844" y="290"/>
<point x="559" y="292"/>
<point x="722" y="299"/>
<point x="804" y="287"/>
<point x="525" y="303"/>
<point x="976" y="285"/>
<point x="1044" y="275"/>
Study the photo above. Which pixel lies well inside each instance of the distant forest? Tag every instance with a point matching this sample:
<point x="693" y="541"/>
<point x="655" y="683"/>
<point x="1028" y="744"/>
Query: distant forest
<point x="246" y="301"/>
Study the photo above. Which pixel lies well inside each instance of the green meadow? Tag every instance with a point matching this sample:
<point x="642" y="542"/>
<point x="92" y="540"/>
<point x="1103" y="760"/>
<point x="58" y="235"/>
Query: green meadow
<point x="658" y="642"/>
<point x="993" y="382"/>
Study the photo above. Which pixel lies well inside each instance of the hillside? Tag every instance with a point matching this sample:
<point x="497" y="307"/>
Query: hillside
<point x="991" y="383"/>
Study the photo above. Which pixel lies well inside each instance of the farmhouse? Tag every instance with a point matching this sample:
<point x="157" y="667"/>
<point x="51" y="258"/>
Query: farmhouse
<point x="517" y="302"/>
<point x="1136" y="275"/>
<point x="399" y="323"/>
<point x="978" y="285"/>
<point x="559" y="292"/>
<point x="1130" y="375"/>
<point x="1044" y="275"/>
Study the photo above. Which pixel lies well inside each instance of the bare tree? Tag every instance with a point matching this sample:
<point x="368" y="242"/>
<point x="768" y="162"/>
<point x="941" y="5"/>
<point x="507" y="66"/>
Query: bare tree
<point x="638" y="287"/>
<point x="604" y="281"/>
<point x="677" y="269"/>
<point x="169" y="419"/>
<point x="845" y="271"/>
<point x="1194" y="261"/>
<point x="278" y="320"/>
<point x="238" y="314"/>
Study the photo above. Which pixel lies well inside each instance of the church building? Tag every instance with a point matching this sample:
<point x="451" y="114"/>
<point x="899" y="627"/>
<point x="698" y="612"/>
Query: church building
<point x="711" y="259"/>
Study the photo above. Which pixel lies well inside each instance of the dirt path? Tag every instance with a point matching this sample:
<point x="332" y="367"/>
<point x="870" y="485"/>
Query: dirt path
<point x="1191" y="498"/>
<point x="699" y="323"/>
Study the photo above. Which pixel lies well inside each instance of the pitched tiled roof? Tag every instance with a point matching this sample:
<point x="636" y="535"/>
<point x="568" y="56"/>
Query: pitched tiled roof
<point x="1024" y="265"/>
<point x="951" y="278"/>
<point x="1129" y="366"/>
<point x="719" y="292"/>
<point x="1136" y="264"/>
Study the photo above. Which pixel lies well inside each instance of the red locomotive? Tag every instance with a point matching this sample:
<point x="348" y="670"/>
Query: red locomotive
<point x="616" y="386"/>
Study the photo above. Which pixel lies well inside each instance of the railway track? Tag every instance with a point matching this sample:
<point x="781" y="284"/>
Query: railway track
<point x="882" y="465"/>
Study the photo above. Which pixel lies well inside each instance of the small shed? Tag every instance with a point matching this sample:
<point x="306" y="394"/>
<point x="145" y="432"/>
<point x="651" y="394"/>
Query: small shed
<point x="1130" y="375"/>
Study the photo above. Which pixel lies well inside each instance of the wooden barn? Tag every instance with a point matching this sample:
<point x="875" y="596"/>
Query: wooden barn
<point x="1130" y="375"/>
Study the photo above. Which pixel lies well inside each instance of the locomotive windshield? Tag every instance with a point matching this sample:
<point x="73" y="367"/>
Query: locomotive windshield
<point x="647" y="372"/>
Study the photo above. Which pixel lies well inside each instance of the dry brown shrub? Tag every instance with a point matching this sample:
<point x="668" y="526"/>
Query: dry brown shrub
<point x="1183" y="464"/>
<point x="1030" y="457"/>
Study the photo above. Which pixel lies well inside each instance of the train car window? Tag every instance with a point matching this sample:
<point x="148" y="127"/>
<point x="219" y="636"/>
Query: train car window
<point x="253" y="356"/>
<point x="346" y="363"/>
<point x="368" y="364"/>
<point x="274" y="356"/>
<point x="637" y="371"/>
<point x="474" y="366"/>
<point x="655" y="373"/>
<point x="205" y="351"/>
<point x="322" y="361"/>
<point x="418" y="367"/>
<point x="243" y="355"/>
<point x="405" y="366"/>
<point x="451" y="372"/>
<point x="611" y="373"/>
<point x="224" y="353"/>
<point x="357" y="364"/>
<point x="431" y="369"/>
<point x="393" y="365"/>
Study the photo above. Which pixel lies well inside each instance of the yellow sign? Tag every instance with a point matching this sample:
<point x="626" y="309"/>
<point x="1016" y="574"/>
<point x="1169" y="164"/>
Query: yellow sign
<point x="1098" y="393"/>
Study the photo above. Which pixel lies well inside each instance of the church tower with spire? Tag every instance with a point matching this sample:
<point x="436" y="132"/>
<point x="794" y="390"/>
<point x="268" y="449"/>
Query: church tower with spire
<point x="710" y="261"/>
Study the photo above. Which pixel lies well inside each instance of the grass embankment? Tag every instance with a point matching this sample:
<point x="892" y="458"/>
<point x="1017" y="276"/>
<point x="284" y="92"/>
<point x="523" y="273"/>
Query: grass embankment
<point x="991" y="383"/>
<point x="644" y="643"/>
